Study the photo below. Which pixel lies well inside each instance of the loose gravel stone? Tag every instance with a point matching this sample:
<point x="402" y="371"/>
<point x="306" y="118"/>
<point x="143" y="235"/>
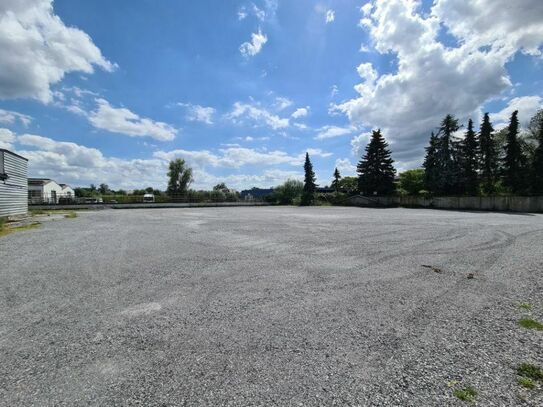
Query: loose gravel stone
<point x="271" y="306"/>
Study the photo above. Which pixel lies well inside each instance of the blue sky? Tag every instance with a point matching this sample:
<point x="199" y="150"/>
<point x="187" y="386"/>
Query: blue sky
<point x="109" y="91"/>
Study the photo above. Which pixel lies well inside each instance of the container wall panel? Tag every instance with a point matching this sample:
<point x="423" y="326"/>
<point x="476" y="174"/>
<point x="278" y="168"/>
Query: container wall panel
<point x="14" y="189"/>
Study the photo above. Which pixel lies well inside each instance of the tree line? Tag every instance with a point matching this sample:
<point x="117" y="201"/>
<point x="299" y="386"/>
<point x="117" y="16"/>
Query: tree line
<point x="485" y="162"/>
<point x="482" y="162"/>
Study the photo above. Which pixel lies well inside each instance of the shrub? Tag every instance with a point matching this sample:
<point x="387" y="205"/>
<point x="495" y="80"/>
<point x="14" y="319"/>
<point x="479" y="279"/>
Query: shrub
<point x="529" y="323"/>
<point x="526" y="382"/>
<point x="466" y="394"/>
<point x="411" y="182"/>
<point x="530" y="371"/>
<point x="286" y="193"/>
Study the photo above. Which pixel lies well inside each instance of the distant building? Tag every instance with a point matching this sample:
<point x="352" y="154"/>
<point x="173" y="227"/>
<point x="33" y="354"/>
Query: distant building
<point x="257" y="193"/>
<point x="67" y="191"/>
<point x="47" y="191"/>
<point x="13" y="184"/>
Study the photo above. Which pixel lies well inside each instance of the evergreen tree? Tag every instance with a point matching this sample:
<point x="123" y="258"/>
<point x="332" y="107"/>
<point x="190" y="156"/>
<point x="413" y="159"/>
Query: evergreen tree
<point x="469" y="161"/>
<point x="335" y="182"/>
<point x="375" y="170"/>
<point x="537" y="164"/>
<point x="431" y="167"/>
<point x="514" y="163"/>
<point x="488" y="156"/>
<point x="308" y="196"/>
<point x="448" y="158"/>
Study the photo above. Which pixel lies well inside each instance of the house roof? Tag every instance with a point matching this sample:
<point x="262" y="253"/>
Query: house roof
<point x="39" y="181"/>
<point x="12" y="153"/>
<point x="65" y="186"/>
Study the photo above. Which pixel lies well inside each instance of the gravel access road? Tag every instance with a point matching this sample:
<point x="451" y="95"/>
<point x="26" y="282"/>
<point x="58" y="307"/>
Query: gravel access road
<point x="271" y="306"/>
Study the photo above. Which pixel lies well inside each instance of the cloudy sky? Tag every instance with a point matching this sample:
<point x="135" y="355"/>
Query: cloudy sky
<point x="109" y="91"/>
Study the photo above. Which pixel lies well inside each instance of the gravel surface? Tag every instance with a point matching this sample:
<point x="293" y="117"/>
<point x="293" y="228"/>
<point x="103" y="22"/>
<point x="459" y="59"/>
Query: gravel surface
<point x="270" y="306"/>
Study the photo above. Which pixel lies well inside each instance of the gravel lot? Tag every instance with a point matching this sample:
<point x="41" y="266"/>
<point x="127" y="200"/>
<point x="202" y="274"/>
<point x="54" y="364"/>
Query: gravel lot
<point x="270" y="306"/>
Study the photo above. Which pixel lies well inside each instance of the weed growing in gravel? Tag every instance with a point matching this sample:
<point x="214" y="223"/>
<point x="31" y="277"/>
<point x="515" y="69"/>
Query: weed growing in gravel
<point x="530" y="371"/>
<point x="530" y="323"/>
<point x="71" y="215"/>
<point x="466" y="394"/>
<point x="526" y="383"/>
<point x="6" y="231"/>
<point x="526" y="306"/>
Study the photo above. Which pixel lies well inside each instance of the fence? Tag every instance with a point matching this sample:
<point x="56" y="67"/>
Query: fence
<point x="482" y="203"/>
<point x="37" y="198"/>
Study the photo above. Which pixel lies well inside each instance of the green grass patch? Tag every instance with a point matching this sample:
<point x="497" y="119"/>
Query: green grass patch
<point x="71" y="215"/>
<point x="530" y="371"/>
<point x="530" y="323"/>
<point x="466" y="394"/>
<point x="526" y="382"/>
<point x="526" y="306"/>
<point x="6" y="231"/>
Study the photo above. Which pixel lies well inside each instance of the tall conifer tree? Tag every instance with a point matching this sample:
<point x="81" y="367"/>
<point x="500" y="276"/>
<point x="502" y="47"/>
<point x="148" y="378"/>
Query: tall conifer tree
<point x="469" y="161"/>
<point x="335" y="182"/>
<point x="488" y="156"/>
<point x="514" y="163"/>
<point x="376" y="170"/>
<point x="308" y="196"/>
<point x="431" y="167"/>
<point x="447" y="157"/>
<point x="537" y="165"/>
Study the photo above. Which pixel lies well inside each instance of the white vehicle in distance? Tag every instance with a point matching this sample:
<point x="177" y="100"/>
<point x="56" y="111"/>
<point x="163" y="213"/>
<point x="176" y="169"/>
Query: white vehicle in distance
<point x="148" y="198"/>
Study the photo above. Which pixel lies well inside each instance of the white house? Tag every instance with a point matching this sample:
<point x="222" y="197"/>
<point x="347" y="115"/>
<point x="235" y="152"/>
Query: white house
<point x="44" y="190"/>
<point x="67" y="191"/>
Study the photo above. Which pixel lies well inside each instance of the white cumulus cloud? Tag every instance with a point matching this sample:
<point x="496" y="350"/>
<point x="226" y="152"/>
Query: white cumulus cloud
<point x="527" y="106"/>
<point x="37" y="49"/>
<point x="300" y="112"/>
<point x="11" y="117"/>
<point x="7" y="137"/>
<point x="256" y="114"/>
<point x="198" y="113"/>
<point x="333" y="131"/>
<point x="250" y="49"/>
<point x="123" y="121"/>
<point x="433" y="79"/>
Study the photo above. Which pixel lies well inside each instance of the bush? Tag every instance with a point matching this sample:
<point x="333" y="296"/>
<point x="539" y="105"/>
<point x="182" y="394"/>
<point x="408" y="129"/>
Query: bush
<point x="411" y="182"/>
<point x="288" y="192"/>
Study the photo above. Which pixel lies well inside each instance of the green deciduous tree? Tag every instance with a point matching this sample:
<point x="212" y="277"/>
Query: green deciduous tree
<point x="221" y="187"/>
<point x="349" y="185"/>
<point x="103" y="189"/>
<point x="376" y="170"/>
<point x="179" y="177"/>
<point x="308" y="196"/>
<point x="288" y="192"/>
<point x="412" y="181"/>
